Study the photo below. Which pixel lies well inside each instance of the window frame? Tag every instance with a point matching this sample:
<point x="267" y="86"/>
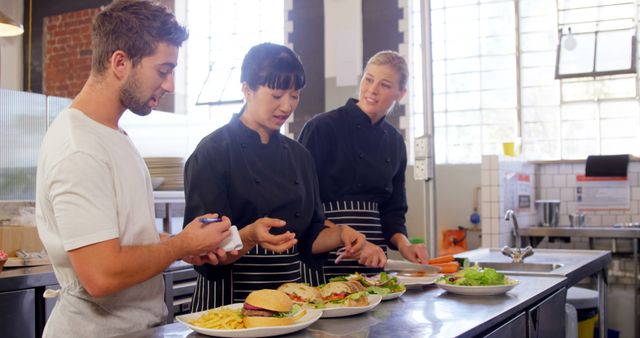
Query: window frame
<point x="594" y="73"/>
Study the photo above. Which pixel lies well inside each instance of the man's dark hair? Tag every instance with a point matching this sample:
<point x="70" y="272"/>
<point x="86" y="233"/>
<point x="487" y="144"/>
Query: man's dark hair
<point x="134" y="27"/>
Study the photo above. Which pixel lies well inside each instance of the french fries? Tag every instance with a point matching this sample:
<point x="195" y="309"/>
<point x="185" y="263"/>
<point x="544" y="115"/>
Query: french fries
<point x="223" y="318"/>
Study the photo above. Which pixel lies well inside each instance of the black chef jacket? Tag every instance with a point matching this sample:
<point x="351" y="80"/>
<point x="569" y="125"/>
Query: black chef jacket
<point x="233" y="174"/>
<point x="359" y="161"/>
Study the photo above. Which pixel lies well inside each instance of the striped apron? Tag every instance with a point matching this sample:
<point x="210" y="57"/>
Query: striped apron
<point x="362" y="216"/>
<point x="257" y="269"/>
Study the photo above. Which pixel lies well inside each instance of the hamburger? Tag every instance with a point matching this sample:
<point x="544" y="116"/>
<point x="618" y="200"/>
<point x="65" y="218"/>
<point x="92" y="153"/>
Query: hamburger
<point x="349" y="293"/>
<point x="269" y="308"/>
<point x="304" y="294"/>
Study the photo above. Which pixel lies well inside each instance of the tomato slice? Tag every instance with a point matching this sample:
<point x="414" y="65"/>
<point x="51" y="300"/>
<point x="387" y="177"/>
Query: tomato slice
<point x="296" y="298"/>
<point x="336" y="296"/>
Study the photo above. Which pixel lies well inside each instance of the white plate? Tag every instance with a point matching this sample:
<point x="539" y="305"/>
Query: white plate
<point x="413" y="281"/>
<point x="345" y="311"/>
<point x="357" y="326"/>
<point x="488" y="290"/>
<point x="309" y="318"/>
<point x="393" y="295"/>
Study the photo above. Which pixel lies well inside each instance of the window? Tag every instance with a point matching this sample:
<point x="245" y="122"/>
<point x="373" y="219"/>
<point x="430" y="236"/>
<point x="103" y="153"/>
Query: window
<point x="474" y="78"/>
<point x="596" y="38"/>
<point x="494" y="78"/>
<point x="221" y="33"/>
<point x="571" y="118"/>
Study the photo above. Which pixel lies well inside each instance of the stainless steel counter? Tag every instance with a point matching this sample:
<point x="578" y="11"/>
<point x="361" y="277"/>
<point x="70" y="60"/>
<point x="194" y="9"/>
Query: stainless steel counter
<point x="591" y="233"/>
<point x="421" y="312"/>
<point x="576" y="265"/>
<point x="25" y="278"/>
<point x="32" y="277"/>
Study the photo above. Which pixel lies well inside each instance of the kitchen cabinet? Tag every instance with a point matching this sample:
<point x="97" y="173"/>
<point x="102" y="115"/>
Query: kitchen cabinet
<point x="516" y="327"/>
<point x="547" y="319"/>
<point x="544" y="319"/>
<point x="18" y="315"/>
<point x="25" y="311"/>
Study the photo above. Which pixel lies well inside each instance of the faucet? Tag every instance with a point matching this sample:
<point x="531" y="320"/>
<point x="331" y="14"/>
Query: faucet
<point x="517" y="254"/>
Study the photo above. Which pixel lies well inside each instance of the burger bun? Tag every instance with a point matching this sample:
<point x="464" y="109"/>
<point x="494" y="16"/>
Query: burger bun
<point x="251" y="321"/>
<point x="273" y="300"/>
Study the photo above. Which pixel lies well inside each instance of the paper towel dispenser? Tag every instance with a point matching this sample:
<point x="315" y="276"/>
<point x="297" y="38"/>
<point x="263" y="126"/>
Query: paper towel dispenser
<point x="607" y="165"/>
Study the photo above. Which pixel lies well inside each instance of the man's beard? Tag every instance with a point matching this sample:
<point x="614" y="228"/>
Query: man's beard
<point x="130" y="100"/>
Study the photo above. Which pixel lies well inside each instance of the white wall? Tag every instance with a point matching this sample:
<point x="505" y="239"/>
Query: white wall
<point x="11" y="48"/>
<point x="455" y="186"/>
<point x="416" y="222"/>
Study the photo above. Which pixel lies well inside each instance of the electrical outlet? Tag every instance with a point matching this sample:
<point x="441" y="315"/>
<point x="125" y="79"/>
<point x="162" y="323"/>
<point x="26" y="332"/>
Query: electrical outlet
<point x="420" y="148"/>
<point x="420" y="172"/>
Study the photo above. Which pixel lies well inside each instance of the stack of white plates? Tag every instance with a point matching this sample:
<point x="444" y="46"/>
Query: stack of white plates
<point x="169" y="168"/>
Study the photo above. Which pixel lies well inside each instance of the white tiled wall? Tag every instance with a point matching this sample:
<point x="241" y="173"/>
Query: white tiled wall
<point x="558" y="181"/>
<point x="496" y="231"/>
<point x="550" y="181"/>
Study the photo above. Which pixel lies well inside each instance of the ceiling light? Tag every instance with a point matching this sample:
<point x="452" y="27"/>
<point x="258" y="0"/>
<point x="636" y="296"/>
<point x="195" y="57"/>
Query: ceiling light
<point x="8" y="27"/>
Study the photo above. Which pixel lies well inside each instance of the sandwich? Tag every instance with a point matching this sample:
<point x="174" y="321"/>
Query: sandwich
<point x="270" y="308"/>
<point x="303" y="294"/>
<point x="349" y="293"/>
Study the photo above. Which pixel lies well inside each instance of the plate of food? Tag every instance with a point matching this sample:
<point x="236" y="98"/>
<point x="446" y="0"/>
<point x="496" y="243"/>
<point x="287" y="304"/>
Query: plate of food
<point x="477" y="281"/>
<point x="488" y="290"/>
<point x="416" y="279"/>
<point x="394" y="295"/>
<point x="345" y="311"/>
<point x="265" y="313"/>
<point x="382" y="284"/>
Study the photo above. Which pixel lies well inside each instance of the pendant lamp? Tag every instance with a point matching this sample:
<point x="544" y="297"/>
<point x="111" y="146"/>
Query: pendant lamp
<point x="8" y="27"/>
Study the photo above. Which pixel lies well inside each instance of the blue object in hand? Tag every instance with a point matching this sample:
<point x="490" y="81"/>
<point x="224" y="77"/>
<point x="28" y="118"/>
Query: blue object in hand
<point x="207" y="220"/>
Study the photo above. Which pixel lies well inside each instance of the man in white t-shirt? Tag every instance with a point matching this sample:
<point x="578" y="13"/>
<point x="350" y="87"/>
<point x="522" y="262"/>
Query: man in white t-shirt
<point x="94" y="199"/>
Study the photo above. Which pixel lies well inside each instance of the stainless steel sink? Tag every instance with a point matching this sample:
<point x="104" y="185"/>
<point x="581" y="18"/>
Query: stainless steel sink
<point x="571" y="264"/>
<point x="521" y="267"/>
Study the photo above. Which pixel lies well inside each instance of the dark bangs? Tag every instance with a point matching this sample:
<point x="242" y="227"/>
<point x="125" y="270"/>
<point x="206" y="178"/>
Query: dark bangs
<point x="284" y="73"/>
<point x="273" y="66"/>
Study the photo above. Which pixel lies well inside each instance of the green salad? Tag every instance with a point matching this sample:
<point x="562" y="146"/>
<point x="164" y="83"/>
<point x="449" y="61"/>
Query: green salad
<point x="476" y="276"/>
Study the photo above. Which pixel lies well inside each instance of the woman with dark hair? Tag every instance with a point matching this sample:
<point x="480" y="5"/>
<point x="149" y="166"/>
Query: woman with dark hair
<point x="266" y="184"/>
<point x="361" y="159"/>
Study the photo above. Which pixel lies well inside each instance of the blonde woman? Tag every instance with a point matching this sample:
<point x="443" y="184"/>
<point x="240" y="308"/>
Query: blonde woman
<point x="361" y="160"/>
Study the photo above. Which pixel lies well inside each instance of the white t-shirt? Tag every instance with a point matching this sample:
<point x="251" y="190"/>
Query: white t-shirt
<point x="92" y="186"/>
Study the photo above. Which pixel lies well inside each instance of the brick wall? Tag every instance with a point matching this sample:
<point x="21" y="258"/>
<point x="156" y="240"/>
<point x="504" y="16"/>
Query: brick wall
<point x="67" y="57"/>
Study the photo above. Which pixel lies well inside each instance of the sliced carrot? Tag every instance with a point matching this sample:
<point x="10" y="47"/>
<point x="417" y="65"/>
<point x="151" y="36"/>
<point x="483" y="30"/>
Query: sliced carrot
<point x="448" y="267"/>
<point x="441" y="259"/>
